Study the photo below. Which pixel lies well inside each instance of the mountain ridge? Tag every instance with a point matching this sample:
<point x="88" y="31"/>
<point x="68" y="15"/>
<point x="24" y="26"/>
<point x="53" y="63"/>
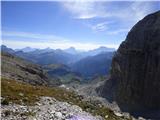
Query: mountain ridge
<point x="92" y="66"/>
<point x="100" y="59"/>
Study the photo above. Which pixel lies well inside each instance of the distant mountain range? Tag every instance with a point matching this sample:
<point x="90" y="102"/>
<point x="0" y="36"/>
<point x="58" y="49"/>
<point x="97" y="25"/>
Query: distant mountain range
<point x="98" y="51"/>
<point x="92" y="66"/>
<point x="26" y="49"/>
<point x="93" y="52"/>
<point x="70" y="50"/>
<point x="88" y="64"/>
<point x="47" y="56"/>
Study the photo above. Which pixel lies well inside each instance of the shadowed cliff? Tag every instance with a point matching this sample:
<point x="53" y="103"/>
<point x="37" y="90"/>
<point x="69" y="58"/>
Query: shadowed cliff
<point x="135" y="75"/>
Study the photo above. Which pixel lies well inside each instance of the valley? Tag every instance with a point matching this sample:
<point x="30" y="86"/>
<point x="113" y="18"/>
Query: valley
<point x="25" y="82"/>
<point x="80" y="60"/>
<point x="64" y="65"/>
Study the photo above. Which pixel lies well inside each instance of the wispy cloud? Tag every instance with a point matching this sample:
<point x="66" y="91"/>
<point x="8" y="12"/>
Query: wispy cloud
<point x="124" y="14"/>
<point x="33" y="36"/>
<point x="44" y="41"/>
<point x="80" y="9"/>
<point x="141" y="9"/>
<point x="99" y="27"/>
<point x="130" y="11"/>
<point x="135" y="11"/>
<point x="118" y="31"/>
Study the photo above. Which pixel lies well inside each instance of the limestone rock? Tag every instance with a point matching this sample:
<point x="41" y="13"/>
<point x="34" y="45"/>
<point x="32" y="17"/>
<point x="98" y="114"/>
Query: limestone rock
<point x="135" y="73"/>
<point x="44" y="110"/>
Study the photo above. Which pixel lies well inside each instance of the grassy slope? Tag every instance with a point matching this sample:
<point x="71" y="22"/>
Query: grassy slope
<point x="17" y="92"/>
<point x="13" y="67"/>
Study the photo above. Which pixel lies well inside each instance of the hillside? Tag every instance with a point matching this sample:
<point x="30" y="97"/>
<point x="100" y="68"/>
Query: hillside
<point x="33" y="102"/>
<point x="94" y="65"/>
<point x="63" y="73"/>
<point x="16" y="68"/>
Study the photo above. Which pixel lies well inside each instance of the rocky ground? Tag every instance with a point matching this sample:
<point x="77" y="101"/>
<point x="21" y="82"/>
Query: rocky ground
<point x="88" y="91"/>
<point x="22" y="101"/>
<point x="47" y="108"/>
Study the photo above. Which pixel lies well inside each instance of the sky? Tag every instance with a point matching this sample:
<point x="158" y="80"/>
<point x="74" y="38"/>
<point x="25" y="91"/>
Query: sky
<point x="80" y="24"/>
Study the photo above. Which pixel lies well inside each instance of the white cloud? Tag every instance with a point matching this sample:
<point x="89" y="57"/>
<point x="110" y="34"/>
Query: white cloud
<point x="133" y="11"/>
<point x="99" y="27"/>
<point x="141" y="9"/>
<point x="125" y="15"/>
<point x="81" y="9"/>
<point x="118" y="31"/>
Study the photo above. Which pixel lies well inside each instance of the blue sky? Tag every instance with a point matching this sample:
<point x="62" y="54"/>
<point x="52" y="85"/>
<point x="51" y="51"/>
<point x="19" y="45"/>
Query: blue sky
<point x="84" y="25"/>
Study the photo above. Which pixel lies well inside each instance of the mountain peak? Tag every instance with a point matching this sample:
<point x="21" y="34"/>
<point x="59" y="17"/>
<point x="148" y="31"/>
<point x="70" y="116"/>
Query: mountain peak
<point x="102" y="47"/>
<point x="6" y="49"/>
<point x="26" y="49"/>
<point x="71" y="50"/>
<point x="106" y="48"/>
<point x="3" y="46"/>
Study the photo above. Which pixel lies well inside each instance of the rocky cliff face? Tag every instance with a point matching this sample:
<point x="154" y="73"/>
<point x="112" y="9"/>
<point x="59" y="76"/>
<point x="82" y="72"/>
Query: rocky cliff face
<point x="135" y="74"/>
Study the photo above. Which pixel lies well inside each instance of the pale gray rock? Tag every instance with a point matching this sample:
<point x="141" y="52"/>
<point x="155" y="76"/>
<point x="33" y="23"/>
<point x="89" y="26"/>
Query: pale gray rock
<point x="46" y="109"/>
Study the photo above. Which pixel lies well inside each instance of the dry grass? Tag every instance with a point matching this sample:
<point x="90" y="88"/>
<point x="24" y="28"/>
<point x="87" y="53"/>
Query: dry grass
<point x="17" y="92"/>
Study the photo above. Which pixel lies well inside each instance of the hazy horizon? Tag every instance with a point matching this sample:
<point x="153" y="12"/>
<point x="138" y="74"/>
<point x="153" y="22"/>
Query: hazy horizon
<point x="60" y="25"/>
<point x="57" y="48"/>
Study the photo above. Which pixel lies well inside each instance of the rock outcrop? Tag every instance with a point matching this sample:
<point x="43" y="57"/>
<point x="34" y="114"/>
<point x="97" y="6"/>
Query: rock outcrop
<point x="135" y="73"/>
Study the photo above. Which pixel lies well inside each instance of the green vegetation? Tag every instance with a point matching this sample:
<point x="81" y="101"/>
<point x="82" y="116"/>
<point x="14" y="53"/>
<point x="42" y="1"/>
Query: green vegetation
<point x="19" y="92"/>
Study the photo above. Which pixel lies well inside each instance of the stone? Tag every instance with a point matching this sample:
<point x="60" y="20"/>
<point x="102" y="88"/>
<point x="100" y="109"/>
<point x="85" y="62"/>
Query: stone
<point x="106" y="116"/>
<point x="52" y="112"/>
<point x="58" y="114"/>
<point x="141" y="118"/>
<point x="21" y="94"/>
<point x="118" y="114"/>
